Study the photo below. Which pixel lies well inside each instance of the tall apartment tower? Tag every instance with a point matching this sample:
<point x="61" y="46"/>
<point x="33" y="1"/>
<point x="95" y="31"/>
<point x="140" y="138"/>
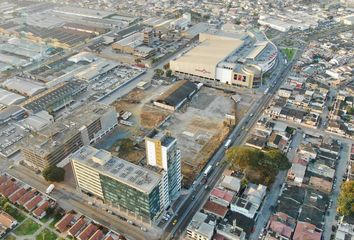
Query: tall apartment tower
<point x="162" y="152"/>
<point x="148" y="36"/>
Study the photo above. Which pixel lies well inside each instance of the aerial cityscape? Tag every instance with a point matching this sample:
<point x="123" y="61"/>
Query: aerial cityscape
<point x="177" y="119"/>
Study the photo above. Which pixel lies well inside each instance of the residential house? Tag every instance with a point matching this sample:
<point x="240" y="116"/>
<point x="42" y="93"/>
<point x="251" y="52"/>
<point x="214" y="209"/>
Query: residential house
<point x="41" y="211"/>
<point x="199" y="228"/>
<point x="321" y="169"/>
<point x="87" y="232"/>
<point x="75" y="229"/>
<point x="296" y="173"/>
<point x="64" y="222"/>
<point x="306" y="231"/>
<point x="216" y="209"/>
<point x="231" y="232"/>
<point x="231" y="183"/>
<point x="7" y="222"/>
<point x="281" y="226"/>
<point x="250" y="201"/>
<point x="222" y="197"/>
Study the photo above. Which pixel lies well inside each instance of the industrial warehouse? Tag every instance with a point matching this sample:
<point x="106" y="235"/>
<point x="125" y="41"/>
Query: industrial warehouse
<point x="235" y="58"/>
<point x="177" y="95"/>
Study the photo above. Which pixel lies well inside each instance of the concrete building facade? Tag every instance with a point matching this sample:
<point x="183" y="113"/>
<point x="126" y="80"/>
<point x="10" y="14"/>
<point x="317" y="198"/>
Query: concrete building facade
<point x="57" y="141"/>
<point x="162" y="152"/>
<point x="117" y="182"/>
<point x="238" y="59"/>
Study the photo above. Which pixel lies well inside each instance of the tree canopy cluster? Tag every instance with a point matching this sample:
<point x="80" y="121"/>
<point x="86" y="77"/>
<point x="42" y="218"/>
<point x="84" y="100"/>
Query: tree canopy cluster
<point x="260" y="167"/>
<point x="346" y="199"/>
<point x="54" y="174"/>
<point x="126" y="145"/>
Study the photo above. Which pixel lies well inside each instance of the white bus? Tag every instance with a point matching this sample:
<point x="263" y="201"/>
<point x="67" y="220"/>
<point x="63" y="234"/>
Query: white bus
<point x="227" y="144"/>
<point x="50" y="189"/>
<point x="207" y="170"/>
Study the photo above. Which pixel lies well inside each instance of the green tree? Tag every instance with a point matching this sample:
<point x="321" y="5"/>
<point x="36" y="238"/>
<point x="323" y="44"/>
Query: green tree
<point x="126" y="145"/>
<point x="169" y="73"/>
<point x="244" y="183"/>
<point x="54" y="174"/>
<point x="3" y="201"/>
<point x="241" y="157"/>
<point x="159" y="72"/>
<point x="346" y="199"/>
<point x="350" y="110"/>
<point x="259" y="166"/>
<point x="279" y="159"/>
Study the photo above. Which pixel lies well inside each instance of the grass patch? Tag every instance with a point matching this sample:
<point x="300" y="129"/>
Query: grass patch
<point x="10" y="237"/>
<point x="14" y="212"/>
<point x="28" y="227"/>
<point x="46" y="234"/>
<point x="56" y="219"/>
<point x="289" y="53"/>
<point x="45" y="218"/>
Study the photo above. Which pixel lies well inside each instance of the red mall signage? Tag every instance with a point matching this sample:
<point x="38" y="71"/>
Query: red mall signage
<point x="239" y="77"/>
<point x="204" y="71"/>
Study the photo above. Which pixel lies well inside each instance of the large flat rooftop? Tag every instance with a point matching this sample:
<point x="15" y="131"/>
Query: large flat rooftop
<point x="135" y="176"/>
<point x="43" y="142"/>
<point x="165" y="138"/>
<point x="211" y="50"/>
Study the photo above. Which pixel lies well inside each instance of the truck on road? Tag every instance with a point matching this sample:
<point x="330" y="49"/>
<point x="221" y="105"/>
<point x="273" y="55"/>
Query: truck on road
<point x="208" y="170"/>
<point x="50" y="189"/>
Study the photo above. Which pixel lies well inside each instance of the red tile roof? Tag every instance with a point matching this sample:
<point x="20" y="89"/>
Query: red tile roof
<point x="76" y="227"/>
<point x="281" y="228"/>
<point x="306" y="231"/>
<point x="3" y="179"/>
<point x="87" y="232"/>
<point x="6" y="185"/>
<point x="109" y="238"/>
<point x="222" y="194"/>
<point x="41" y="209"/>
<point x="25" y="198"/>
<point x="30" y="205"/>
<point x="10" y="190"/>
<point x="98" y="235"/>
<point x="62" y="225"/>
<point x="215" y="208"/>
<point x="16" y="195"/>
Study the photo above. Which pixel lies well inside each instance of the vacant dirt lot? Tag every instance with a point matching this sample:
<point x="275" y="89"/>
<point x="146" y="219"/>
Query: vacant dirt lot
<point x="200" y="126"/>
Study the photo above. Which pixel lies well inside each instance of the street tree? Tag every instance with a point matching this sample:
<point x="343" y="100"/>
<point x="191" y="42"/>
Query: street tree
<point x="54" y="174"/>
<point x="346" y="199"/>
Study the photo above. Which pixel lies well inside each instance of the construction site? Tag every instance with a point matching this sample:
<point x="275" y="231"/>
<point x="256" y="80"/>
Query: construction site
<point x="200" y="124"/>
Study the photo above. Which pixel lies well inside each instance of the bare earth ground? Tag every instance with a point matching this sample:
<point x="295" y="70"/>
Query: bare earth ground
<point x="200" y="126"/>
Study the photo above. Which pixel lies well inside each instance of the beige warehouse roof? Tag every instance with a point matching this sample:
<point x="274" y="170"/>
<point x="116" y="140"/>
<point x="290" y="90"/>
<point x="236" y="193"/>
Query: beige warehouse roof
<point x="211" y="51"/>
<point x="203" y="59"/>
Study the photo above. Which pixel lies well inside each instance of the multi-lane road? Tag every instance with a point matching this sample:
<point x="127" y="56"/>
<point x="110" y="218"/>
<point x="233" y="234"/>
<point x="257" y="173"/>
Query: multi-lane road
<point x="199" y="193"/>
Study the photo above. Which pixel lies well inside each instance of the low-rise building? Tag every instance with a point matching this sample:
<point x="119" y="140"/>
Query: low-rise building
<point x="222" y="197"/>
<point x="306" y="231"/>
<point x="250" y="201"/>
<point x="199" y="228"/>
<point x="231" y="183"/>
<point x="280" y="226"/>
<point x="6" y="222"/>
<point x="215" y="209"/>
